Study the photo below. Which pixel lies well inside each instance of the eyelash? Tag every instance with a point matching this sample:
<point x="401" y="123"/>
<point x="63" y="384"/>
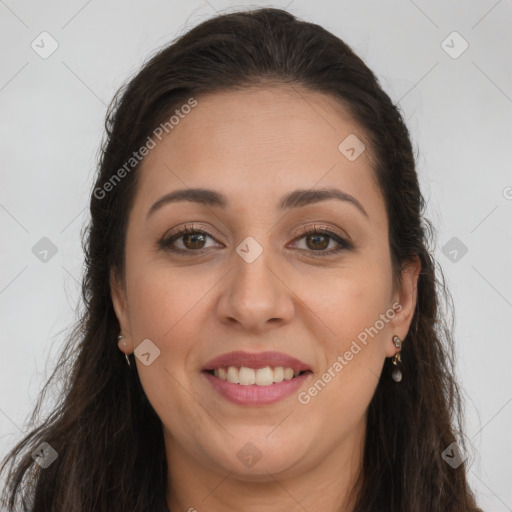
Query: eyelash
<point x="166" y="242"/>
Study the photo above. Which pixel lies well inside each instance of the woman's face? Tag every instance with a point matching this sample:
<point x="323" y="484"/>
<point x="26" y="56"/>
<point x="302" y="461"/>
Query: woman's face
<point x="256" y="285"/>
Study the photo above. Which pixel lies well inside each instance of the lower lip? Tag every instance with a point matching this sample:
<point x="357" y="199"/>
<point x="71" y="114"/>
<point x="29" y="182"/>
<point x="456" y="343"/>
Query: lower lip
<point x="253" y="394"/>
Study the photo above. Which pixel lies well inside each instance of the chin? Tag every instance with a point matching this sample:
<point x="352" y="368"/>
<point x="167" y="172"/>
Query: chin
<point x="252" y="455"/>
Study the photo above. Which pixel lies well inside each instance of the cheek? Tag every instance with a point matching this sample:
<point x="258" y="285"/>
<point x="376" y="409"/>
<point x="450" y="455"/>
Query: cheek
<point x="347" y="302"/>
<point x="354" y="308"/>
<point x="161" y="302"/>
<point x="164" y="308"/>
<point x="341" y="391"/>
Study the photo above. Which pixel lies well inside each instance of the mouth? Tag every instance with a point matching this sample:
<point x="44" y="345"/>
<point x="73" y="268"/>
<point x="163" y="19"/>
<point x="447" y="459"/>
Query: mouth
<point x="245" y="376"/>
<point x="253" y="379"/>
<point x="265" y="393"/>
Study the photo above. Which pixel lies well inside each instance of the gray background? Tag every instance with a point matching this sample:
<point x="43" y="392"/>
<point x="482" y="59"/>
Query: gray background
<point x="457" y="109"/>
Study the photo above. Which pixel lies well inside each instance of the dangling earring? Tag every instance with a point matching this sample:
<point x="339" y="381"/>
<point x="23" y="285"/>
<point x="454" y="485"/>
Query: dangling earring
<point x="397" y="374"/>
<point x="120" y="337"/>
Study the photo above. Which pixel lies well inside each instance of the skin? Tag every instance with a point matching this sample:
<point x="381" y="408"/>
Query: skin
<point x="255" y="146"/>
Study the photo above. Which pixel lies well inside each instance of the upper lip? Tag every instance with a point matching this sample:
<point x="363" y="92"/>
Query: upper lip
<point x="256" y="360"/>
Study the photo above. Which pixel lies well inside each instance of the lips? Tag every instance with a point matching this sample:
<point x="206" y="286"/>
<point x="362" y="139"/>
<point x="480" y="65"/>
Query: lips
<point x="256" y="361"/>
<point x="256" y="379"/>
<point x="254" y="395"/>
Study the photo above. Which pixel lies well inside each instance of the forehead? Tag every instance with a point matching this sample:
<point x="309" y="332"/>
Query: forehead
<point x="257" y="144"/>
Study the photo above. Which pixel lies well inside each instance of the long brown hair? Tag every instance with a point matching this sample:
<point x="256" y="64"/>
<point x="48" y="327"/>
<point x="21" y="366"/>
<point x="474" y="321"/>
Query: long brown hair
<point x="108" y="438"/>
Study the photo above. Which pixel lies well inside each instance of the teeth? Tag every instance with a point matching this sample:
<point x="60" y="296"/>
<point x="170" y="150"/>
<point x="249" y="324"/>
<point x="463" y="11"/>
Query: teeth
<point x="261" y="377"/>
<point x="247" y="376"/>
<point x="279" y="374"/>
<point x="264" y="376"/>
<point x="232" y="375"/>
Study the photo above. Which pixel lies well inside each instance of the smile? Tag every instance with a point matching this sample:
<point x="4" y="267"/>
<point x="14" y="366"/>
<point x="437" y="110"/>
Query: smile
<point x="260" y="377"/>
<point x="251" y="393"/>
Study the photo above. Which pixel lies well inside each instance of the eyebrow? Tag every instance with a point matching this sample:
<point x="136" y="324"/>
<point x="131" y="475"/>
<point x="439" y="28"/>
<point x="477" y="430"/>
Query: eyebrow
<point x="296" y="199"/>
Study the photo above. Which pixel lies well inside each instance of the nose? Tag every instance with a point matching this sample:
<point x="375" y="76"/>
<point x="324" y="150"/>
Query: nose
<point x="255" y="296"/>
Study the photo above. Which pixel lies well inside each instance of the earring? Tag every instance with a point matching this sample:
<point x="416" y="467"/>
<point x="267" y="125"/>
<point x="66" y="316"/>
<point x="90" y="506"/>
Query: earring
<point x="120" y="337"/>
<point x="397" y="374"/>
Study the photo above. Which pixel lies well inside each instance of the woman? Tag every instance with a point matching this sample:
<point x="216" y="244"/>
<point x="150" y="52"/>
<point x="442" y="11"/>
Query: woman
<point x="258" y="253"/>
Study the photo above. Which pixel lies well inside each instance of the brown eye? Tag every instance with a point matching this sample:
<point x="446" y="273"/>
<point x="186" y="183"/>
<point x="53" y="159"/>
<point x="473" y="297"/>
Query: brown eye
<point x="193" y="240"/>
<point x="318" y="240"/>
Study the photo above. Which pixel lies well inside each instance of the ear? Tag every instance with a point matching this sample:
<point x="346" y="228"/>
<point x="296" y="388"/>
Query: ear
<point x="404" y="303"/>
<point x="120" y="303"/>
